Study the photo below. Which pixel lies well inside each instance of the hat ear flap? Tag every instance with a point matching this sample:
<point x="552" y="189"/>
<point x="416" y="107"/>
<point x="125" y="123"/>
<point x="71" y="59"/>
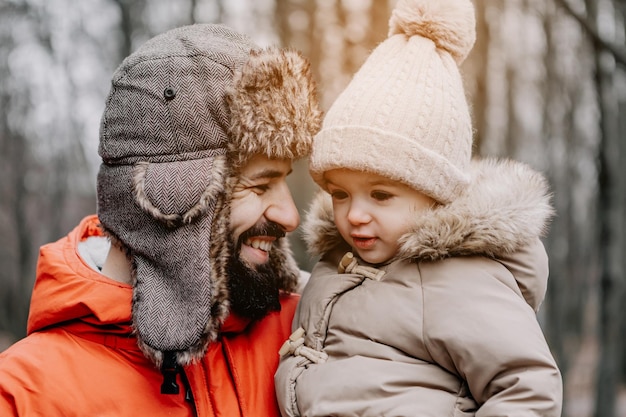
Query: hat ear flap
<point x="177" y="193"/>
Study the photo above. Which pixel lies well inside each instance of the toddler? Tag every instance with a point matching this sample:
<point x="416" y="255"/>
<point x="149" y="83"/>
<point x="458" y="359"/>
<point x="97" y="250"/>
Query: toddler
<point x="431" y="266"/>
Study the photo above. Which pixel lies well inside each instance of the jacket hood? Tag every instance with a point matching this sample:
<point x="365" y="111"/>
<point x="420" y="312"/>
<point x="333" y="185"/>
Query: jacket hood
<point x="505" y="208"/>
<point x="69" y="289"/>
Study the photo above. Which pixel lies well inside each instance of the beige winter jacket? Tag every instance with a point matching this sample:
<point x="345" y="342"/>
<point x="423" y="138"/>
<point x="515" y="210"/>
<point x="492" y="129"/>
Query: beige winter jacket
<point x="450" y="329"/>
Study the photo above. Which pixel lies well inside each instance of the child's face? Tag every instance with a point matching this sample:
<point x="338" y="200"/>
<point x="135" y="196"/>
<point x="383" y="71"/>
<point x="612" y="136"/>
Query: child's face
<point x="372" y="212"/>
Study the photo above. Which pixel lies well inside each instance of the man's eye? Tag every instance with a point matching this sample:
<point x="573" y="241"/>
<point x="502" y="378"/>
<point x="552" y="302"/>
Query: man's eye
<point x="381" y="195"/>
<point x="261" y="188"/>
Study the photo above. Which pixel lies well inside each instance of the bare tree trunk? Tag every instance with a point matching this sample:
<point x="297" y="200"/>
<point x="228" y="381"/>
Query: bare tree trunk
<point x="131" y="12"/>
<point x="611" y="220"/>
<point x="611" y="237"/>
<point x="16" y="273"/>
<point x="193" y="4"/>
<point x="347" y="63"/>
<point x="126" y="26"/>
<point x="16" y="251"/>
<point x="379" y="14"/>
<point x="24" y="236"/>
<point x="477" y="67"/>
<point x="512" y="127"/>
<point x="281" y="17"/>
<point x="491" y="87"/>
<point x="622" y="151"/>
<point x="313" y="50"/>
<point x="620" y="7"/>
<point x="557" y="284"/>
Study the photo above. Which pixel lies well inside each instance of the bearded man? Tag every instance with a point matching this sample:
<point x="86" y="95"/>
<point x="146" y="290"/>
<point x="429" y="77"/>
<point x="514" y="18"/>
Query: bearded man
<point x="175" y="298"/>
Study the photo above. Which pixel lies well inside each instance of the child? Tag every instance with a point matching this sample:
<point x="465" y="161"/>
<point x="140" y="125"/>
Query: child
<point x="431" y="272"/>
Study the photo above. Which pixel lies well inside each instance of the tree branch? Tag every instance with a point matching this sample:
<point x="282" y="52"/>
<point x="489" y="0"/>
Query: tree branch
<point x="618" y="52"/>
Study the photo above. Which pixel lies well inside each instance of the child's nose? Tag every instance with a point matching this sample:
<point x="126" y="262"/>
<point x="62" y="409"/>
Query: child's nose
<point x="358" y="214"/>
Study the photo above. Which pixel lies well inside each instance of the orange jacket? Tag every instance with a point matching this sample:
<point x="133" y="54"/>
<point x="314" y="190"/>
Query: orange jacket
<point x="81" y="359"/>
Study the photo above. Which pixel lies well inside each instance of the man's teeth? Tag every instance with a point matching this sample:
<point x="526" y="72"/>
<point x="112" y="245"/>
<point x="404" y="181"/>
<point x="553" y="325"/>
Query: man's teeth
<point x="264" y="245"/>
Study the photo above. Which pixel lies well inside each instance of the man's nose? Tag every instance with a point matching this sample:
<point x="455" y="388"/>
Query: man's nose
<point x="283" y="210"/>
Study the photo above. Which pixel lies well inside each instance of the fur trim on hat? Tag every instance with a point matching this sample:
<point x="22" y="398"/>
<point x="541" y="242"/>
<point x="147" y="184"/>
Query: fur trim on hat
<point x="448" y="23"/>
<point x="273" y="106"/>
<point x="506" y="206"/>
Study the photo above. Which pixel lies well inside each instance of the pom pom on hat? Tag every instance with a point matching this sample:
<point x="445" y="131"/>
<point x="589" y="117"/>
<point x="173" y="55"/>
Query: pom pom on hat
<point x="450" y="24"/>
<point x="404" y="115"/>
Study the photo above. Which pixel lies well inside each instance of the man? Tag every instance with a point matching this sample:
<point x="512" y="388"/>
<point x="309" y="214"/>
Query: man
<point x="184" y="311"/>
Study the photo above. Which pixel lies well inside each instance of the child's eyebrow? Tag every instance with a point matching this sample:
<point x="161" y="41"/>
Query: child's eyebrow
<point x="374" y="183"/>
<point x="386" y="182"/>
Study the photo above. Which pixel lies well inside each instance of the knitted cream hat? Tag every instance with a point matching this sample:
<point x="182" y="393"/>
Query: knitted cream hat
<point x="404" y="115"/>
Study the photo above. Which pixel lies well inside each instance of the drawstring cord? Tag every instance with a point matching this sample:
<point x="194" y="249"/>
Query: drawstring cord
<point x="170" y="368"/>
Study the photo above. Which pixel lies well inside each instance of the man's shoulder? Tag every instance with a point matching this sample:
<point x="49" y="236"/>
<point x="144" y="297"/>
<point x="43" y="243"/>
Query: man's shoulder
<point x="288" y="304"/>
<point x="275" y="327"/>
<point x="280" y="321"/>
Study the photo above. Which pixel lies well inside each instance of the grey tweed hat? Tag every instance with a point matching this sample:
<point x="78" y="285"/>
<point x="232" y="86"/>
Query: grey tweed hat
<point x="184" y="112"/>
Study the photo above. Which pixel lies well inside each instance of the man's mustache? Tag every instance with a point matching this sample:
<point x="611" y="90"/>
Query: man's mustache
<point x="267" y="228"/>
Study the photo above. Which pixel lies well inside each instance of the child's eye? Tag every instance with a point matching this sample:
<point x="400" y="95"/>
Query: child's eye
<point x="339" y="195"/>
<point x="381" y="195"/>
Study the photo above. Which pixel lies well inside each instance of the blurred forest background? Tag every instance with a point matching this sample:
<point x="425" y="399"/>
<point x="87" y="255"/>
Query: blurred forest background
<point x="546" y="82"/>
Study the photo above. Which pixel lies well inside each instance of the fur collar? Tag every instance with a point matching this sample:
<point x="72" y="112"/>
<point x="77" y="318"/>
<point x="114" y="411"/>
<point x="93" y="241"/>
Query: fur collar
<point x="506" y="206"/>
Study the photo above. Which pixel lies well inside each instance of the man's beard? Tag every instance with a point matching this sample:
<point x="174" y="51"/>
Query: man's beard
<point x="253" y="291"/>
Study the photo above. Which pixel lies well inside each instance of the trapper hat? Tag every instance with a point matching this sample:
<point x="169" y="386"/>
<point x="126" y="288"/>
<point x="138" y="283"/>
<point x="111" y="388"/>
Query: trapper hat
<point x="404" y="115"/>
<point x="184" y="114"/>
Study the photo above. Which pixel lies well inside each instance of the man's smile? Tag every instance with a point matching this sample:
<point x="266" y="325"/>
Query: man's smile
<point x="255" y="249"/>
<point x="264" y="243"/>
